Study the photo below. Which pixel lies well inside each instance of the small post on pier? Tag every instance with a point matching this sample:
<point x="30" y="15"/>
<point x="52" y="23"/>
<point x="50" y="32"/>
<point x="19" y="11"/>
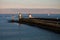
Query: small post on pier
<point x="12" y="18"/>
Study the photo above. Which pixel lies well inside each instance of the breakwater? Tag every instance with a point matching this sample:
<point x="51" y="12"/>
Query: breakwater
<point x="42" y="23"/>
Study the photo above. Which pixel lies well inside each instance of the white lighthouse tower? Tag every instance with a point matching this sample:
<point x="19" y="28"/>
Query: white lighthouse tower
<point x="20" y="15"/>
<point x="30" y="16"/>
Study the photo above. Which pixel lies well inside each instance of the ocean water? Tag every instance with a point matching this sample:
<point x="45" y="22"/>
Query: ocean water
<point x="15" y="31"/>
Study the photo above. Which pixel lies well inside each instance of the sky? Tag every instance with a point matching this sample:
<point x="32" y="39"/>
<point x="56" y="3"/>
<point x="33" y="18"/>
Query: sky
<point x="29" y="4"/>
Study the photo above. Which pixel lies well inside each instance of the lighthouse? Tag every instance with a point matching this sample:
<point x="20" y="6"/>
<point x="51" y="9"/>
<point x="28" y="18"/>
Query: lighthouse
<point x="20" y="16"/>
<point x="30" y="16"/>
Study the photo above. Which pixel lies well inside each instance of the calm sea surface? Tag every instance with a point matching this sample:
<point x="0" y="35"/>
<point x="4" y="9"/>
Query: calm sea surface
<point x="15" y="31"/>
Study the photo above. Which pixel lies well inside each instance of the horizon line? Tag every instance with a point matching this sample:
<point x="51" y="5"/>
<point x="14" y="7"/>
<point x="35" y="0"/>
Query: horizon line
<point x="29" y="8"/>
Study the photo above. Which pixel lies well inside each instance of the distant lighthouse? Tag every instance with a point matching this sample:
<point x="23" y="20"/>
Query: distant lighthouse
<point x="48" y="14"/>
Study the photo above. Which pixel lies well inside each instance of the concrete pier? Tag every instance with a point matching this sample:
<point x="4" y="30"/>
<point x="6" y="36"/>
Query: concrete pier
<point x="45" y="24"/>
<point x="42" y="24"/>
